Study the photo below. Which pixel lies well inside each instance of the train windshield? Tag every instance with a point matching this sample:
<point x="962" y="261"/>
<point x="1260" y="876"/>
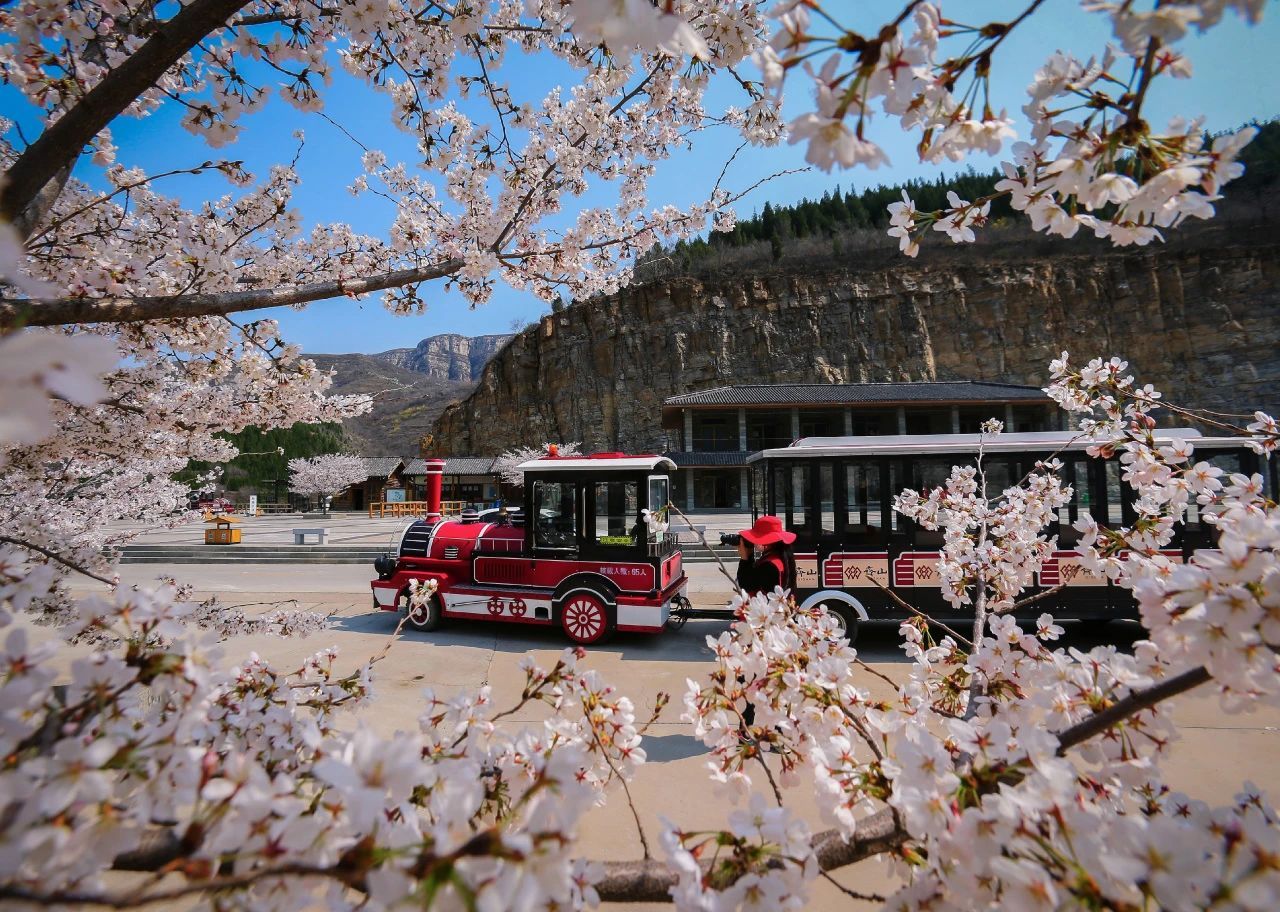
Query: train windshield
<point x="555" y="511"/>
<point x="617" y="513"/>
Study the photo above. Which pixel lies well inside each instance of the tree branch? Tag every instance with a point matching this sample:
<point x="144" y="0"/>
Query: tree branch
<point x="60" y="311"/>
<point x="61" y="143"/>
<point x="651" y="881"/>
<point x="1134" y="703"/>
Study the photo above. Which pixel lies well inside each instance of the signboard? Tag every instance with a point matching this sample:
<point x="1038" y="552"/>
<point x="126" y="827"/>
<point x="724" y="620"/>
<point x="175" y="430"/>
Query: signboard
<point x="856" y="569"/>
<point x="395" y="495"/>
<point x="806" y="571"/>
<point x="917" y="568"/>
<point x="253" y="504"/>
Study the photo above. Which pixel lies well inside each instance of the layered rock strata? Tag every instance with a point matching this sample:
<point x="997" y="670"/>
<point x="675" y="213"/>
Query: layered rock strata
<point x="1203" y="325"/>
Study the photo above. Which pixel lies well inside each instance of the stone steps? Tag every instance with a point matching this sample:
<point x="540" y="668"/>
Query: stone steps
<point x="303" y="554"/>
<point x="250" y="554"/>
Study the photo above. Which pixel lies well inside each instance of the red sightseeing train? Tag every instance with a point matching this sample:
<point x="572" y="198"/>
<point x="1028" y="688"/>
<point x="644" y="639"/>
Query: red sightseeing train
<point x="578" y="556"/>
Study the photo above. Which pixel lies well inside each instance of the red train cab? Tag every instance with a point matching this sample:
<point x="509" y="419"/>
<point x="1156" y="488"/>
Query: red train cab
<point x="578" y="556"/>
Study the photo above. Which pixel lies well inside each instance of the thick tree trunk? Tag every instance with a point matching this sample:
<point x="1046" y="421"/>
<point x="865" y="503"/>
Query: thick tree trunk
<point x="60" y="144"/>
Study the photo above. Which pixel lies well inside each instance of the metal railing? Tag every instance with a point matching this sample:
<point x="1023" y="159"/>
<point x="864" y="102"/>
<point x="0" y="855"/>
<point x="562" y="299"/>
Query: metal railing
<point x="385" y="508"/>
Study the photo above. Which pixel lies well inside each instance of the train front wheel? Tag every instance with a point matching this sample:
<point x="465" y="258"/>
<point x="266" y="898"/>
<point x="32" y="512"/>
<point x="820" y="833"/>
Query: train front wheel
<point x="585" y="619"/>
<point x="427" y="615"/>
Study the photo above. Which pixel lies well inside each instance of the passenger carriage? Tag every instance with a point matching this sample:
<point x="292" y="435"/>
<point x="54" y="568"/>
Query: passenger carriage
<point x="579" y="556"/>
<point x="836" y="494"/>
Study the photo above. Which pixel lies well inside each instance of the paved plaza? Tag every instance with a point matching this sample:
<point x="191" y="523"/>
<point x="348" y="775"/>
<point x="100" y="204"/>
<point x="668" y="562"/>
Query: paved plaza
<point x="1218" y="751"/>
<point x="354" y="528"/>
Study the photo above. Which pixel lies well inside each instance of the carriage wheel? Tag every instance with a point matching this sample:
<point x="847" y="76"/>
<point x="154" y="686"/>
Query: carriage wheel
<point x="846" y="620"/>
<point x="584" y="618"/>
<point x="495" y="606"/>
<point x="427" y="615"/>
<point x="518" y="607"/>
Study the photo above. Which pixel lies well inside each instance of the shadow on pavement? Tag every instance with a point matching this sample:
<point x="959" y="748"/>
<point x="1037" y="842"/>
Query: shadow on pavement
<point x="877" y="641"/>
<point x="664" y="748"/>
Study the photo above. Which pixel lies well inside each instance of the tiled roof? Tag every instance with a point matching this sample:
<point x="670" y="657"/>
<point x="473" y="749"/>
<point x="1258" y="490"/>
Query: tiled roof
<point x="469" y="465"/>
<point x="381" y="466"/>
<point x="859" y="393"/>
<point x="709" y="458"/>
<point x="454" y="465"/>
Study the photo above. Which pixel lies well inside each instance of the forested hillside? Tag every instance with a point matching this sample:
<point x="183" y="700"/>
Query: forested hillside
<point x="841" y="222"/>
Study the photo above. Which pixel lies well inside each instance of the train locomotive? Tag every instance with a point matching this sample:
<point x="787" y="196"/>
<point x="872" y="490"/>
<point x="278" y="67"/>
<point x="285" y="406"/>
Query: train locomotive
<point x="578" y="555"/>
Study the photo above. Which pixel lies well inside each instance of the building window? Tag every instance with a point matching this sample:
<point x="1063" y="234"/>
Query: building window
<point x="717" y="489"/>
<point x="971" y="417"/>
<point x="768" y="429"/>
<point x="715" y="432"/>
<point x="821" y="423"/>
<point x="873" y="424"/>
<point x="928" y="421"/>
<point x="1030" y="418"/>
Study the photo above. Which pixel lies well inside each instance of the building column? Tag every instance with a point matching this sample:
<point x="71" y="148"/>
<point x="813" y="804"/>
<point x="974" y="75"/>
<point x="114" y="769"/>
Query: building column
<point x="955" y="419"/>
<point x="688" y="491"/>
<point x="744" y="492"/>
<point x="795" y="424"/>
<point x="742" y="430"/>
<point x="902" y="420"/>
<point x="688" y="430"/>
<point x="848" y="422"/>
<point x="1008" y="417"/>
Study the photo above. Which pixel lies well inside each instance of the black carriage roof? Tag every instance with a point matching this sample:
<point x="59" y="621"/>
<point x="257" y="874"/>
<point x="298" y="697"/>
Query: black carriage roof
<point x="942" y="444"/>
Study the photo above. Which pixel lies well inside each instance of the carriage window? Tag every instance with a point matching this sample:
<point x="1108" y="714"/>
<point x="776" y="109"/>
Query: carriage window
<point x="555" y="510"/>
<point x="933" y="473"/>
<point x="659" y="492"/>
<point x="864" y="504"/>
<point x="930" y="474"/>
<point x="1115" y="510"/>
<point x="999" y="476"/>
<point x="1075" y="475"/>
<point x="617" y="512"/>
<point x="797" y="505"/>
<point x="1203" y="534"/>
<point x="826" y="499"/>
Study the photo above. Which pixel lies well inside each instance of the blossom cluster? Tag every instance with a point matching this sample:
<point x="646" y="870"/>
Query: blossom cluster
<point x="991" y="546"/>
<point x="268" y="773"/>
<point x="1091" y="160"/>
<point x="327" y="474"/>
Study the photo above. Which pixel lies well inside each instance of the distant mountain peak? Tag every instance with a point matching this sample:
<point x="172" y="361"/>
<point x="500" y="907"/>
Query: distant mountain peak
<point x="447" y="356"/>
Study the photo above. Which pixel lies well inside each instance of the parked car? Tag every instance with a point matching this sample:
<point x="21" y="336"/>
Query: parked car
<point x="209" y="503"/>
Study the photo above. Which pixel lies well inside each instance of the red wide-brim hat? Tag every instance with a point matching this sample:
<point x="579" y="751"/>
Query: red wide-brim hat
<point x="766" y="531"/>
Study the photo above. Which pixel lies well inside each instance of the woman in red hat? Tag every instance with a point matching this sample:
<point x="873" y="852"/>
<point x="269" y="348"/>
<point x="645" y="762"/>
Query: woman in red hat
<point x="775" y="565"/>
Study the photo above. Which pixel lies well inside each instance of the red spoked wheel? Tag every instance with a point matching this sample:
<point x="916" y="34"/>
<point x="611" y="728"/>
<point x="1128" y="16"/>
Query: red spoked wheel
<point x="584" y="618"/>
<point x="518" y="607"/>
<point x="495" y="606"/>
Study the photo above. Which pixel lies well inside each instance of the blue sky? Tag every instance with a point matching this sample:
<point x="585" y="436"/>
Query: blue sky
<point x="1236" y="80"/>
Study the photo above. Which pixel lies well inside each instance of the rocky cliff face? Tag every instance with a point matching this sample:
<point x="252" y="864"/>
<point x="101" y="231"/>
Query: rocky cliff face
<point x="1203" y="325"/>
<point x="448" y="356"/>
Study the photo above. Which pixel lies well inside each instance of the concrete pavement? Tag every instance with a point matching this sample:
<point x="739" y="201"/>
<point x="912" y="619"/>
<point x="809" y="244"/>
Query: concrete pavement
<point x="1217" y="752"/>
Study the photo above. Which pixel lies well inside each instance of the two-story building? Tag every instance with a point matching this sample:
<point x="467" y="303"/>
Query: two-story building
<point x="711" y="432"/>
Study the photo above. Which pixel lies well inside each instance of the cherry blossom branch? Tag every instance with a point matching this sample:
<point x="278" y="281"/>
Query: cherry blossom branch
<point x="62" y="141"/>
<point x="651" y="881"/>
<point x="733" y="581"/>
<point x="904" y="604"/>
<point x="273" y="18"/>
<point x="61" y="311"/>
<point x="1130" y="705"/>
<point x="66" y="562"/>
